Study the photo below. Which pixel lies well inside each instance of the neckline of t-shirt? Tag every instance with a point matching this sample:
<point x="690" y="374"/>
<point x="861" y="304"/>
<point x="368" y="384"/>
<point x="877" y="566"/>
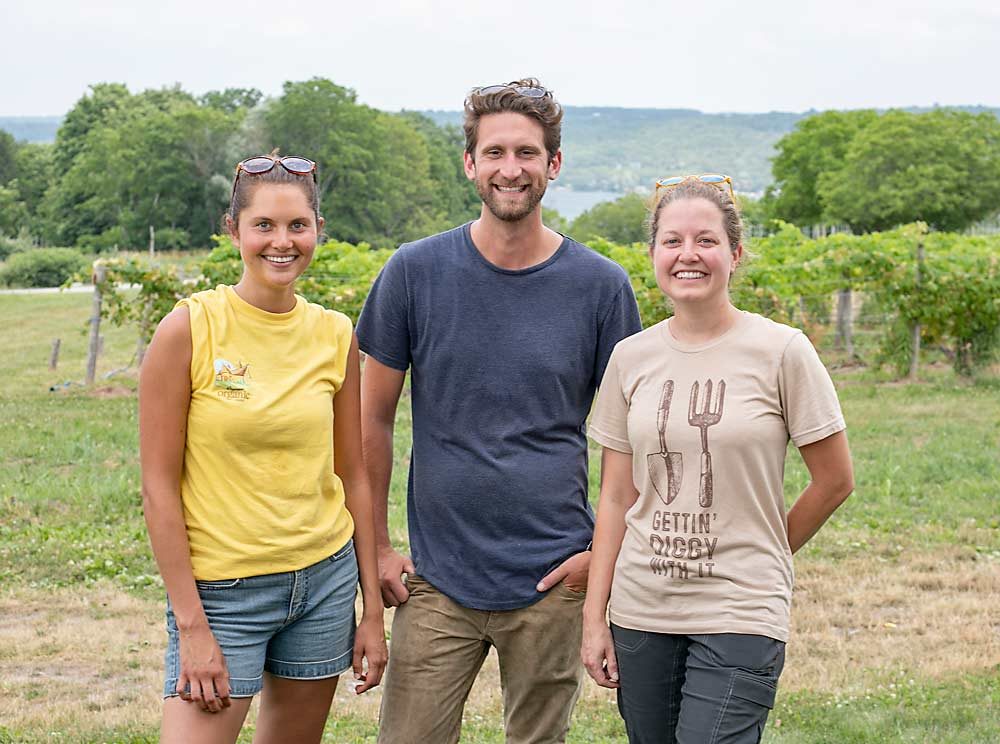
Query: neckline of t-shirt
<point x="686" y="348"/>
<point x="244" y="308"/>
<point x="470" y="244"/>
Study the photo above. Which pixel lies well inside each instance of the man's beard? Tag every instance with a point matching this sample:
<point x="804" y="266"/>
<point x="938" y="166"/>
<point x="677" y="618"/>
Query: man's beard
<point x="514" y="210"/>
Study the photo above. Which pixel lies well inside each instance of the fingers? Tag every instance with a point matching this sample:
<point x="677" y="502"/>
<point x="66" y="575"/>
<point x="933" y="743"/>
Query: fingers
<point x="394" y="591"/>
<point x="210" y="694"/>
<point x="370" y="679"/>
<point x="391" y="567"/>
<point x="611" y="665"/>
<point x="553" y="577"/>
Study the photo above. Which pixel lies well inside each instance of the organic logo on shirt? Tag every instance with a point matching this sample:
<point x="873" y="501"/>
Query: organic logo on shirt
<point x="232" y="378"/>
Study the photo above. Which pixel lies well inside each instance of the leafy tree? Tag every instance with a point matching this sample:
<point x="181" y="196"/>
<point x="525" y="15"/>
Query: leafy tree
<point x="455" y="194"/>
<point x="13" y="212"/>
<point x="231" y="100"/>
<point x="8" y="157"/>
<point x="941" y="167"/>
<point x="375" y="184"/>
<point x="620" y="221"/>
<point x="152" y="162"/>
<point x="817" y="145"/>
<point x="90" y="111"/>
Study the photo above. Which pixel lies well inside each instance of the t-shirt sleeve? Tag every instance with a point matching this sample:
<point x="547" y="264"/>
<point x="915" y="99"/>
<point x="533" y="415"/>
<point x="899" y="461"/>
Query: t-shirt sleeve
<point x="383" y="327"/>
<point x="808" y="398"/>
<point x="609" y="420"/>
<point x="621" y="319"/>
<point x="343" y="333"/>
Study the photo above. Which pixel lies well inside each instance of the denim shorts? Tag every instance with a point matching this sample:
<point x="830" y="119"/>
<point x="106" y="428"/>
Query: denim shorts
<point x="298" y="624"/>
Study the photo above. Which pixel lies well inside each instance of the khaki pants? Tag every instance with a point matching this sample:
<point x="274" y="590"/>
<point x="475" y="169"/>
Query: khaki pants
<point x="438" y="647"/>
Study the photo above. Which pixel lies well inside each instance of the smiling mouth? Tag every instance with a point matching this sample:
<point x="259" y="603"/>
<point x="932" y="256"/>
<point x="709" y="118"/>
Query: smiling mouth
<point x="510" y="189"/>
<point x="690" y="275"/>
<point x="279" y="260"/>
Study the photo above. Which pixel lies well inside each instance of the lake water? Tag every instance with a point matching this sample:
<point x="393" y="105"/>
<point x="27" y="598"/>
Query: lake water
<point x="570" y="204"/>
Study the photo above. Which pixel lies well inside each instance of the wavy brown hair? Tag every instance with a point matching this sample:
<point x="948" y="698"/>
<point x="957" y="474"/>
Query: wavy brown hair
<point x="545" y="110"/>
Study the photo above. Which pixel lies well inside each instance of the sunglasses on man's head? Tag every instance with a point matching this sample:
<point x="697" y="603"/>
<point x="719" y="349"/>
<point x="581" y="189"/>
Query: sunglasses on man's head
<point x="529" y="91"/>
<point x="715" y="179"/>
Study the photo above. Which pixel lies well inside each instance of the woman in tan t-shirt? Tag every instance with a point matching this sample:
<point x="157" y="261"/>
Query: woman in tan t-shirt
<point x="692" y="545"/>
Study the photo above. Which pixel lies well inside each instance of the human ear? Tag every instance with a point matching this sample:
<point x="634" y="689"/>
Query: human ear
<point x="737" y="255"/>
<point x="232" y="230"/>
<point x="555" y="165"/>
<point x="469" y="163"/>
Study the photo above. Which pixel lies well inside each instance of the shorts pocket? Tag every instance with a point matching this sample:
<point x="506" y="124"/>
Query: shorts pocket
<point x="343" y="552"/>
<point x="215" y="586"/>
<point x="759" y="690"/>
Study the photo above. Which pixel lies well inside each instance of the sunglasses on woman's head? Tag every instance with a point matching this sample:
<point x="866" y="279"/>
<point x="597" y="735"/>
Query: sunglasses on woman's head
<point x="715" y="179"/>
<point x="263" y="163"/>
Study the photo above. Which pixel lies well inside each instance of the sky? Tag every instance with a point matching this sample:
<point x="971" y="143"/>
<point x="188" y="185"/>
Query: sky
<point x="719" y="56"/>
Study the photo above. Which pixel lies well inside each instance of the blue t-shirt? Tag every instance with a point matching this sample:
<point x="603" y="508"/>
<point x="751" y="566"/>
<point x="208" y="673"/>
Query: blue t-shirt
<point x="504" y="366"/>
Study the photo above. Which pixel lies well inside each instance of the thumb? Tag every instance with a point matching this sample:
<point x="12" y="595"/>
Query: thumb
<point x="408" y="565"/>
<point x="552" y="578"/>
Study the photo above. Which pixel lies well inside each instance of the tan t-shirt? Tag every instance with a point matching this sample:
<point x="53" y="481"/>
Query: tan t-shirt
<point x="706" y="543"/>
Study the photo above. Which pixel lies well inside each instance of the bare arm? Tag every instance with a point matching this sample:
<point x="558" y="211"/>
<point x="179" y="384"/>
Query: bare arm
<point x="350" y="467"/>
<point x="831" y="482"/>
<point x="164" y="397"/>
<point x="380" y="390"/>
<point x="618" y="494"/>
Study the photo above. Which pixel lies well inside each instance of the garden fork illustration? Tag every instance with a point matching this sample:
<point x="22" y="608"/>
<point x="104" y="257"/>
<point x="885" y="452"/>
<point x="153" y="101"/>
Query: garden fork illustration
<point x="707" y="416"/>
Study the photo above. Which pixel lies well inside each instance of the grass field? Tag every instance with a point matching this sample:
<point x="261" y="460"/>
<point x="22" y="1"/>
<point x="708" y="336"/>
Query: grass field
<point x="896" y="619"/>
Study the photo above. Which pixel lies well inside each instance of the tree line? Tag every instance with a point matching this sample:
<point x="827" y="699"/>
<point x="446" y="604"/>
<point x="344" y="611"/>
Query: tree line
<point x="124" y="162"/>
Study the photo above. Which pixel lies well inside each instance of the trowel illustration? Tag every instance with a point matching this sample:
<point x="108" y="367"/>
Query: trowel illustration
<point x="665" y="468"/>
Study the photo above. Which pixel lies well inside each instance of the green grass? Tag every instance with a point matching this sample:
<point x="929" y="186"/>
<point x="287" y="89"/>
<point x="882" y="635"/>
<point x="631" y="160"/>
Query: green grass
<point x="926" y="463"/>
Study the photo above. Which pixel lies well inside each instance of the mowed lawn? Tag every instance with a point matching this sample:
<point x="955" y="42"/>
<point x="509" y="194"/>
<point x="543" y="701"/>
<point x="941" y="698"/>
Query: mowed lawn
<point x="896" y="620"/>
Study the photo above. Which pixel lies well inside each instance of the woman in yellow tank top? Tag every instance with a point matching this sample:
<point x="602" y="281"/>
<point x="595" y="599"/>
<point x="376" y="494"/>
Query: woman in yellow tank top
<point x="255" y="494"/>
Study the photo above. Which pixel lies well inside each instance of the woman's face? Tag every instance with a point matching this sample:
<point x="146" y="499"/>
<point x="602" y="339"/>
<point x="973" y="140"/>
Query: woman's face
<point x="692" y="258"/>
<point x="276" y="234"/>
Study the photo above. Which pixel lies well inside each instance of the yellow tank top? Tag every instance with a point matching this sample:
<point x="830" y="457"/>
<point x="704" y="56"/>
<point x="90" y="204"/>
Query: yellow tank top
<point x="259" y="490"/>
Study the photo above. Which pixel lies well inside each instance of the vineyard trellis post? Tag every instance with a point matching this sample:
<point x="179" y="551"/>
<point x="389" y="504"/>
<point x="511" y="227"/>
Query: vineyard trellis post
<point x="915" y="331"/>
<point x="845" y="335"/>
<point x="100" y="272"/>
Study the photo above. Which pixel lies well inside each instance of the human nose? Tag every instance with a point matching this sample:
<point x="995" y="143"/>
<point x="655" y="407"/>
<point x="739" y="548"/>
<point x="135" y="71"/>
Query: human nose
<point x="510" y="168"/>
<point x="281" y="238"/>
<point x="688" y="252"/>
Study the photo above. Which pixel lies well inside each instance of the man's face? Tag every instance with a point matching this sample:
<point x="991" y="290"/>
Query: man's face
<point x="511" y="167"/>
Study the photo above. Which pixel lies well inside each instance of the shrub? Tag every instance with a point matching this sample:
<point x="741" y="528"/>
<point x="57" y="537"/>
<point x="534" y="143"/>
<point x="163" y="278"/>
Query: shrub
<point x="42" y="267"/>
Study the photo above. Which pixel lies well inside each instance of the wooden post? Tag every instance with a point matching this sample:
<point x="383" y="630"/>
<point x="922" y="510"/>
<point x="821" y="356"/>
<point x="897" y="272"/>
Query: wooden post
<point x="54" y="356"/>
<point x="915" y="331"/>
<point x="100" y="272"/>
<point x="152" y="241"/>
<point x="845" y="321"/>
<point x="144" y="324"/>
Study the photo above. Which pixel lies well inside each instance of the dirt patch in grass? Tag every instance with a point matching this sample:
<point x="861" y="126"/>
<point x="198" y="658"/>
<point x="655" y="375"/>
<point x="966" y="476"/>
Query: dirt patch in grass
<point x="860" y="621"/>
<point x="112" y="391"/>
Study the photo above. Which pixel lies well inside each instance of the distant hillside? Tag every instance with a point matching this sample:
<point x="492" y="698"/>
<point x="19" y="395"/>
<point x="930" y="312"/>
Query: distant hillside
<point x="620" y="149"/>
<point x="32" y="128"/>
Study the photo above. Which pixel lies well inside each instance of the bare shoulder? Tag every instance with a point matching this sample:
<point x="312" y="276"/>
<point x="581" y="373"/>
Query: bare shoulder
<point x="170" y="348"/>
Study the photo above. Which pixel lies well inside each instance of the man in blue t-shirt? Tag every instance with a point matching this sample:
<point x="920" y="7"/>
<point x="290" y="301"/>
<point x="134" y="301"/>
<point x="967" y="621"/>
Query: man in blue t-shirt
<point x="506" y="327"/>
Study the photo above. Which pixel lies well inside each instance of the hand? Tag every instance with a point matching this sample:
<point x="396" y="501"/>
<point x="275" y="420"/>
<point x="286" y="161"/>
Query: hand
<point x="391" y="567"/>
<point x="369" y="644"/>
<point x="572" y="572"/>
<point x="203" y="667"/>
<point x="598" y="653"/>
